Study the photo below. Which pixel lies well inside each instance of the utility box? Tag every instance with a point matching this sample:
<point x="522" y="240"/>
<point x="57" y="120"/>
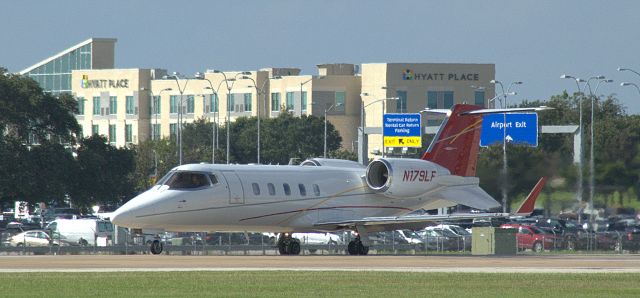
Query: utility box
<point x="492" y="241"/>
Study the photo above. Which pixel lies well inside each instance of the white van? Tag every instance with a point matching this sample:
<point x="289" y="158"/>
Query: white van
<point x="85" y="231"/>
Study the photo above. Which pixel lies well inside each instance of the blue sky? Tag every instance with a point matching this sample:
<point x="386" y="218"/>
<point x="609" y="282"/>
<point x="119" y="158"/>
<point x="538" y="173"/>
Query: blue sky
<point x="530" y="41"/>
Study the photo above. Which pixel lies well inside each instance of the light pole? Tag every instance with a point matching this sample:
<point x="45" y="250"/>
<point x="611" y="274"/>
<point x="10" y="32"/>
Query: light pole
<point x="628" y="69"/>
<point x="181" y="90"/>
<point x="362" y="110"/>
<point x="259" y="91"/>
<point x="591" y="153"/>
<point x="229" y="87"/>
<point x="214" y="127"/>
<point x="325" y="125"/>
<point x="504" y="140"/>
<point x="630" y="84"/>
<point x="580" y="94"/>
<point x="154" y="107"/>
<point x="398" y="97"/>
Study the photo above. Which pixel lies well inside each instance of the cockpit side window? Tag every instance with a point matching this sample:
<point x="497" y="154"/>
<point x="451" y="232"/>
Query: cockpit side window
<point x="187" y="180"/>
<point x="165" y="178"/>
<point x="214" y="179"/>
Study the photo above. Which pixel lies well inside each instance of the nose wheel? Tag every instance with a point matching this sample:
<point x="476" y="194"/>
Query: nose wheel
<point x="288" y="245"/>
<point x="357" y="248"/>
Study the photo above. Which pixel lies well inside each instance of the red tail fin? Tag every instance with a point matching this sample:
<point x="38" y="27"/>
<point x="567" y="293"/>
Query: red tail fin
<point x="456" y="144"/>
<point x="527" y="206"/>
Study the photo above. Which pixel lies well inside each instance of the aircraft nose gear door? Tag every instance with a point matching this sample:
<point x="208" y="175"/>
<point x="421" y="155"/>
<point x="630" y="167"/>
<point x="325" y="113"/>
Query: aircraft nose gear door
<point x="236" y="192"/>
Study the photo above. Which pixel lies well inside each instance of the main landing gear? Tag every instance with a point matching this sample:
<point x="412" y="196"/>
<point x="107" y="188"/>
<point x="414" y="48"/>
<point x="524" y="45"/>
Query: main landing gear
<point x="357" y="248"/>
<point x="288" y="245"/>
<point x="156" y="247"/>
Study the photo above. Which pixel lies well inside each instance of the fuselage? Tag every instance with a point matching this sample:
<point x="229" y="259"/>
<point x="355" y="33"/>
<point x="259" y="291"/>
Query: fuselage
<point x="262" y="198"/>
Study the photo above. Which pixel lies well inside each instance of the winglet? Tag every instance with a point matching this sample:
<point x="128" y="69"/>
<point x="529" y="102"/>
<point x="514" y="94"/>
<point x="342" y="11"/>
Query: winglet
<point x="529" y="203"/>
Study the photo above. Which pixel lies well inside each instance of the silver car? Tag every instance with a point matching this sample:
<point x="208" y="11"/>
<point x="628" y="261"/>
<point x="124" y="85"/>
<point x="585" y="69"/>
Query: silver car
<point x="34" y="238"/>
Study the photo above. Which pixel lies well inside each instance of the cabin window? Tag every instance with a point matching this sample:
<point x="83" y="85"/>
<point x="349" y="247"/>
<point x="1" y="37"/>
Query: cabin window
<point x="214" y="179"/>
<point x="316" y="190"/>
<point x="287" y="189"/>
<point x="272" y="189"/>
<point x="303" y="191"/>
<point x="187" y="180"/>
<point x="256" y="189"/>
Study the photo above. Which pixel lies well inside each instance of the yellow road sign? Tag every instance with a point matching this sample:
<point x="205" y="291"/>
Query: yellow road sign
<point x="403" y="141"/>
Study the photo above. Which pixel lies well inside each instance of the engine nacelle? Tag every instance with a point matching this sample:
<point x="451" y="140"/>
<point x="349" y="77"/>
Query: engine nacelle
<point x="402" y="177"/>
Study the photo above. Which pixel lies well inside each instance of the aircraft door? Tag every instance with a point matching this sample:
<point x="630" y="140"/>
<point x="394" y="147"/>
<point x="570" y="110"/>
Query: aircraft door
<point x="236" y="192"/>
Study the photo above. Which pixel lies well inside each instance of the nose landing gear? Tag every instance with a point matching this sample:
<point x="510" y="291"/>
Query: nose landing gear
<point x="357" y="248"/>
<point x="288" y="245"/>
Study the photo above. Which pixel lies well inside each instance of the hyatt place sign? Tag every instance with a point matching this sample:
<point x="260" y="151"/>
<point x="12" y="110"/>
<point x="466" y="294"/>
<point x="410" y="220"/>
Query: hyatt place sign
<point x="86" y="83"/>
<point x="410" y="75"/>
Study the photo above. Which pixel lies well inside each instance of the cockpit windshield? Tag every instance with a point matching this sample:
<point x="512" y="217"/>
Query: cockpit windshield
<point x="185" y="180"/>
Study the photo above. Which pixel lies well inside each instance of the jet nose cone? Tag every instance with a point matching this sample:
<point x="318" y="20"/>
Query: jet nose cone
<point x="123" y="217"/>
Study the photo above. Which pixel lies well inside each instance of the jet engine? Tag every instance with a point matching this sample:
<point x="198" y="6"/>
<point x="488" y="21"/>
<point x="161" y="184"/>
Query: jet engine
<point x="403" y="177"/>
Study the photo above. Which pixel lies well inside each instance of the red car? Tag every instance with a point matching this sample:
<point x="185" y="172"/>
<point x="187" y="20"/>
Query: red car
<point x="531" y="237"/>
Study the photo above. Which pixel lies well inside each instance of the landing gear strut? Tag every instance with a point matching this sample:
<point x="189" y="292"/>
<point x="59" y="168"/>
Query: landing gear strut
<point x="288" y="245"/>
<point x="156" y="247"/>
<point x="357" y="248"/>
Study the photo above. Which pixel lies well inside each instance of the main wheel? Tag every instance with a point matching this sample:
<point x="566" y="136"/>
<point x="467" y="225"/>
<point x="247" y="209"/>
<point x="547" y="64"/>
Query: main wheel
<point x="537" y="247"/>
<point x="352" y="248"/>
<point x="156" y="247"/>
<point x="294" y="247"/>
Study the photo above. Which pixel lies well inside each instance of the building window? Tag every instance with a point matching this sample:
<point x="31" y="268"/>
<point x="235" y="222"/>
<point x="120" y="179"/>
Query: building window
<point x="96" y="105"/>
<point x="303" y="101"/>
<point x="448" y="99"/>
<point x="80" y="133"/>
<point x="173" y="129"/>
<point x="190" y="104"/>
<point x="275" y="102"/>
<point x="213" y="103"/>
<point x="173" y="104"/>
<point x="290" y="104"/>
<point x="479" y="98"/>
<point x="95" y="129"/>
<point x="232" y="102"/>
<point x="113" y="105"/>
<point x="401" y="103"/>
<point x="128" y="133"/>
<point x="155" y="106"/>
<point x="112" y="133"/>
<point x="432" y="99"/>
<point x="340" y="97"/>
<point x="256" y="188"/>
<point x="247" y="102"/>
<point x="130" y="108"/>
<point x="80" y="105"/>
<point x="272" y="189"/>
<point x="155" y="134"/>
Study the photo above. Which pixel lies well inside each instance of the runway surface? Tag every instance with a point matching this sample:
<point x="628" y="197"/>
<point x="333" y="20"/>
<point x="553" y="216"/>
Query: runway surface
<point x="485" y="264"/>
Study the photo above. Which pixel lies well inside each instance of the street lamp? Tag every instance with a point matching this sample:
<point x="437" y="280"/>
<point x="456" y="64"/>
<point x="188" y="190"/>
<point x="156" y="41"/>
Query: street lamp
<point x="630" y="84"/>
<point x="628" y="69"/>
<point x="214" y="127"/>
<point x="227" y="80"/>
<point x="259" y="91"/>
<point x="363" y="106"/>
<point x="154" y="107"/>
<point x="335" y="105"/>
<point x="580" y="94"/>
<point x="181" y="90"/>
<point x="504" y="140"/>
<point x="591" y="157"/>
<point x="402" y="109"/>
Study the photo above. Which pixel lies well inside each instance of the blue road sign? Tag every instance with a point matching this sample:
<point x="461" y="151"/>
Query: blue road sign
<point x="402" y="130"/>
<point x="521" y="128"/>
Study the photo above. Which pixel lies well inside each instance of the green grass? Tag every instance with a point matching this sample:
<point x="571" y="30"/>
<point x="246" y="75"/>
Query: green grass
<point x="317" y="284"/>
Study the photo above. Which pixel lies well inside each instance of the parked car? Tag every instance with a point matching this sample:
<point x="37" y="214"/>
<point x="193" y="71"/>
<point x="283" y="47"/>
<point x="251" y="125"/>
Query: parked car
<point x="532" y="237"/>
<point x="35" y="238"/>
<point x="317" y="238"/>
<point x="565" y="230"/>
<point x="460" y="237"/>
<point x="85" y="231"/>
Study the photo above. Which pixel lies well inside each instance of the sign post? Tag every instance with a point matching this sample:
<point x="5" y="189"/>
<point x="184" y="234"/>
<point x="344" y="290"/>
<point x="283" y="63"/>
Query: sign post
<point x="402" y="130"/>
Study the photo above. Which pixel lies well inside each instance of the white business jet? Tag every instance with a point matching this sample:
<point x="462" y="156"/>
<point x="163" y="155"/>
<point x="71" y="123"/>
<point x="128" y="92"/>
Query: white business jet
<point x="324" y="195"/>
